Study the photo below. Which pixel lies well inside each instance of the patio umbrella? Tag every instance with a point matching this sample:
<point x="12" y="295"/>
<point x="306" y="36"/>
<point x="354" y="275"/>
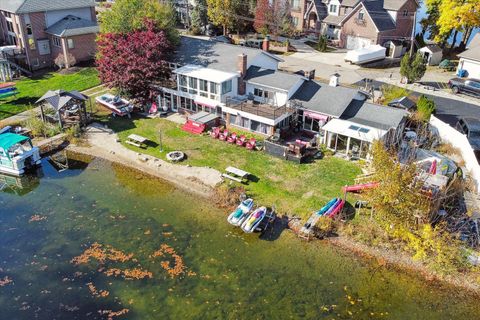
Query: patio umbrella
<point x="433" y="167"/>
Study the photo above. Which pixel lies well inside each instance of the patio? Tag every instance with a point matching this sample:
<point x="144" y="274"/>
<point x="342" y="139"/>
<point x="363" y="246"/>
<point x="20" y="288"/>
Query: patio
<point x="260" y="109"/>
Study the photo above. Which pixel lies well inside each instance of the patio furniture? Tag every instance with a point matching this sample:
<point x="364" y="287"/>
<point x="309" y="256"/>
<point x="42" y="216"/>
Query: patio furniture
<point x="241" y="140"/>
<point x="136" y="140"/>
<point x="232" y="138"/>
<point x="251" y="144"/>
<point x="236" y="174"/>
<point x="215" y="133"/>
<point x="224" y="135"/>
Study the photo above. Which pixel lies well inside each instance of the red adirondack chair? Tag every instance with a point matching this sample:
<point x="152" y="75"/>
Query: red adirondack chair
<point x="241" y="140"/>
<point x="224" y="135"/>
<point x="251" y="144"/>
<point x="215" y="133"/>
<point x="232" y="138"/>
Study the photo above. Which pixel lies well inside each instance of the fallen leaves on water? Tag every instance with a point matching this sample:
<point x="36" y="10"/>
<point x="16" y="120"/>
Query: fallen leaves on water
<point x="97" y="293"/>
<point x="147" y="232"/>
<point x="110" y="314"/>
<point x="178" y="267"/>
<point x="37" y="217"/>
<point x="100" y="253"/>
<point x="5" y="281"/>
<point x="129" y="274"/>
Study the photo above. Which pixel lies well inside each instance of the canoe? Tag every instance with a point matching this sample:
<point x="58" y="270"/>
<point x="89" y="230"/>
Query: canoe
<point x="7" y="85"/>
<point x="254" y="219"/>
<point x="238" y="216"/>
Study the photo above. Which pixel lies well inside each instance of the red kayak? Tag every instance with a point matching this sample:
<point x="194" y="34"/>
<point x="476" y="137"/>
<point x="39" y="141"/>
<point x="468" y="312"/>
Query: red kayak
<point x="7" y="85"/>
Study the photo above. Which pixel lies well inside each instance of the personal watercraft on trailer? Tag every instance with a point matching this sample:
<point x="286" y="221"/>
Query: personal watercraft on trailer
<point x="254" y="220"/>
<point x="238" y="216"/>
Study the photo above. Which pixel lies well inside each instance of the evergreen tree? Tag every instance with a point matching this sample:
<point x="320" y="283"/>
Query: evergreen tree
<point x="413" y="68"/>
<point x="199" y="16"/>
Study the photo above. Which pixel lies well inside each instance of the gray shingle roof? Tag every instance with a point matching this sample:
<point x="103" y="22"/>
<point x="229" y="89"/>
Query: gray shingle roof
<point x="212" y="54"/>
<point x="272" y="78"/>
<point x="372" y="115"/>
<point x="27" y="6"/>
<point x="335" y="20"/>
<point x="394" y="4"/>
<point x="379" y="15"/>
<point x="350" y="3"/>
<point x="475" y="41"/>
<point x="323" y="98"/>
<point x="59" y="98"/>
<point x="72" y="26"/>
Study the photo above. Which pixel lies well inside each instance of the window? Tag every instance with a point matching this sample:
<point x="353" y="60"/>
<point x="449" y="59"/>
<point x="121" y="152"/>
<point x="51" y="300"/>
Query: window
<point x="192" y="85"/>
<point x="261" y="93"/>
<point x="295" y="4"/>
<point x="295" y="21"/>
<point x="226" y="87"/>
<point x="405" y="13"/>
<point x="9" y="26"/>
<point x="333" y="8"/>
<point x="57" y="41"/>
<point x="361" y="15"/>
<point x="70" y="44"/>
<point x="233" y="119"/>
<point x="203" y="85"/>
<point x="214" y="90"/>
<point x="29" y="29"/>
<point x="182" y="80"/>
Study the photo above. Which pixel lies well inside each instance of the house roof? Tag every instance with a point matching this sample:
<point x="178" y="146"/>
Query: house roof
<point x="200" y="72"/>
<point x="28" y="6"/>
<point x="433" y="48"/>
<point x="350" y="3"/>
<point x="382" y="20"/>
<point x="73" y="26"/>
<point x="372" y="115"/>
<point x="472" y="54"/>
<point x="354" y="130"/>
<point x="403" y="102"/>
<point x="272" y="78"/>
<point x="59" y="98"/>
<point x="332" y="19"/>
<point x="215" y="55"/>
<point x="475" y="41"/>
<point x="319" y="97"/>
<point x="394" y="4"/>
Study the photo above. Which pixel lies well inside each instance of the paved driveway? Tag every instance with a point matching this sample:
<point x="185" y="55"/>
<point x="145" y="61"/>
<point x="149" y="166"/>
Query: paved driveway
<point x="447" y="110"/>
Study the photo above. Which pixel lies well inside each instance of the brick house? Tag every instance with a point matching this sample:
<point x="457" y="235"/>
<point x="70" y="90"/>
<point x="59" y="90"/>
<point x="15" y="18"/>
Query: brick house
<point x="354" y="24"/>
<point x="43" y="30"/>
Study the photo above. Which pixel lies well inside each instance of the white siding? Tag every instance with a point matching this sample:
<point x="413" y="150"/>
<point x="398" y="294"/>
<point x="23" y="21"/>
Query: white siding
<point x="472" y="67"/>
<point x="54" y="16"/>
<point x="280" y="98"/>
<point x="263" y="61"/>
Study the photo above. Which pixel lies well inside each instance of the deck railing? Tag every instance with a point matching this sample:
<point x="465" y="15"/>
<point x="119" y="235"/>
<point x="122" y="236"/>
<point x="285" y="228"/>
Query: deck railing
<point x="259" y="109"/>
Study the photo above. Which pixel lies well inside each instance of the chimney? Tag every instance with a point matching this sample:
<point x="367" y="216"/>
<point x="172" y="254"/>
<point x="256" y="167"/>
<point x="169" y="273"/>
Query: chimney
<point x="266" y="43"/>
<point x="242" y="69"/>
<point x="309" y="74"/>
<point x="334" y="80"/>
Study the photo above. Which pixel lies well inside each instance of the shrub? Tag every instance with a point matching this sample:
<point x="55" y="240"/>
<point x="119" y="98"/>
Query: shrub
<point x="61" y="63"/>
<point x="413" y="68"/>
<point x="322" y="44"/>
<point x="425" y="108"/>
<point x="390" y="93"/>
<point x="325" y="227"/>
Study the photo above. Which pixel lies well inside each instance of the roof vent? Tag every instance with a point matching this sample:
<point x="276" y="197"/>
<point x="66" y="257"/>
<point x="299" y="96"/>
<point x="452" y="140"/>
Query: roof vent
<point x="334" y="80"/>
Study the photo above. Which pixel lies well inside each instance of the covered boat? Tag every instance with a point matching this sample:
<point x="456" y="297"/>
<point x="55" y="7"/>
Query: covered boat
<point x="367" y="54"/>
<point x="17" y="154"/>
<point x="117" y="105"/>
<point x="254" y="220"/>
<point x="238" y="216"/>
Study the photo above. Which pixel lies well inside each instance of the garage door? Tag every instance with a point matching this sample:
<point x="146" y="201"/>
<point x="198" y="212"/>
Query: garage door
<point x="357" y="42"/>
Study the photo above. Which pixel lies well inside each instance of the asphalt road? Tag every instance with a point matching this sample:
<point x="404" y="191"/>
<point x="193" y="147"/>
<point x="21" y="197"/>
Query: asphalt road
<point x="447" y="110"/>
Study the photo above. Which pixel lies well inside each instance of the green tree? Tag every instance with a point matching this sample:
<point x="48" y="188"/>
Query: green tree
<point x="222" y="13"/>
<point x="199" y="15"/>
<point x="128" y="15"/>
<point x="390" y="93"/>
<point x="425" y="108"/>
<point x="413" y="68"/>
<point x="322" y="43"/>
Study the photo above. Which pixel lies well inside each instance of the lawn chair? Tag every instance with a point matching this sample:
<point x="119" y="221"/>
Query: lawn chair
<point x="215" y="133"/>
<point x="224" y="135"/>
<point x="232" y="138"/>
<point x="251" y="144"/>
<point x="241" y="140"/>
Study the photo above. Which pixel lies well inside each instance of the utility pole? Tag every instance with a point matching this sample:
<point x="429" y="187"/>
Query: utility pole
<point x="413" y="33"/>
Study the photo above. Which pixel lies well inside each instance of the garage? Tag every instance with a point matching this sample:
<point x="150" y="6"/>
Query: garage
<point x="471" y="67"/>
<point x="354" y="42"/>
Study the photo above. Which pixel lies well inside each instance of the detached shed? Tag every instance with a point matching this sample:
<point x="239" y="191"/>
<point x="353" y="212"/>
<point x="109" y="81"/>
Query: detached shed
<point x="432" y="54"/>
<point x="395" y="48"/>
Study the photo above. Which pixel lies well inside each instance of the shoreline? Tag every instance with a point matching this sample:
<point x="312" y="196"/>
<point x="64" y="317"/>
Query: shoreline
<point x="103" y="144"/>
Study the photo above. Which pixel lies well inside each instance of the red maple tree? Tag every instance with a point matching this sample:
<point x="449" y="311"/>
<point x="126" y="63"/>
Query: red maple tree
<point x="263" y="21"/>
<point x="131" y="62"/>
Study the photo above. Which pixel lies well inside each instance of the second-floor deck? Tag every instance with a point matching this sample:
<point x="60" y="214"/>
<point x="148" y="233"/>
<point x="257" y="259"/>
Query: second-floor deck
<point x="259" y="109"/>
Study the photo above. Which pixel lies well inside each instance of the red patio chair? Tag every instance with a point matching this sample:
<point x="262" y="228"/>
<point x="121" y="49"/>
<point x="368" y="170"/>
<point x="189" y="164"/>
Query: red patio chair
<point x="232" y="138"/>
<point x="251" y="144"/>
<point x="215" y="133"/>
<point x="224" y="135"/>
<point x="241" y="140"/>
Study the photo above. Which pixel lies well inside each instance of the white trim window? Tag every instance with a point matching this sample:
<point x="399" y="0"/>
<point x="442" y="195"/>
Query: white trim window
<point x="361" y="15"/>
<point x="71" y="44"/>
<point x="226" y="87"/>
<point x="57" y="42"/>
<point x="333" y="8"/>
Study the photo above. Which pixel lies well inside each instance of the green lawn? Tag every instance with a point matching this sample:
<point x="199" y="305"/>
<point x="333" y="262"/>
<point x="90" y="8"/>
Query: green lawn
<point x="293" y="188"/>
<point x="30" y="89"/>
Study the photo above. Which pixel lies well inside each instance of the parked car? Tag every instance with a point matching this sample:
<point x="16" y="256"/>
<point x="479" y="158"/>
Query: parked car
<point x="470" y="86"/>
<point x="471" y="128"/>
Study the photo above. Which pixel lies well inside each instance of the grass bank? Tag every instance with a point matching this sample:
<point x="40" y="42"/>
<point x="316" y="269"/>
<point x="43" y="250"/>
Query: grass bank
<point x="30" y="89"/>
<point x="291" y="187"/>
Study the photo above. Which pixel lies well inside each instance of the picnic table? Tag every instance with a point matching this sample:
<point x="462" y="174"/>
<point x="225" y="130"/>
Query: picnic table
<point x="235" y="174"/>
<point x="136" y="140"/>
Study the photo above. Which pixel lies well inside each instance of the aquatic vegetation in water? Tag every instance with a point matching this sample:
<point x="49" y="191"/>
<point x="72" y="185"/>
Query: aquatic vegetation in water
<point x="37" y="217"/>
<point x="110" y="314"/>
<point x="178" y="265"/>
<point x="5" y="280"/>
<point x="97" y="293"/>
<point x="129" y="274"/>
<point x="98" y="252"/>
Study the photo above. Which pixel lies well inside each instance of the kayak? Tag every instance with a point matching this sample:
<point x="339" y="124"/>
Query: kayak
<point x="254" y="219"/>
<point x="333" y="207"/>
<point x="238" y="216"/>
<point x="337" y="209"/>
<point x="316" y="215"/>
<point x="6" y="90"/>
<point x="7" y="84"/>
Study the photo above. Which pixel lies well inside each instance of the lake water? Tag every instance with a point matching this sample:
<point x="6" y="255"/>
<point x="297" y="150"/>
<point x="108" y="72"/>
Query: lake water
<point x="194" y="265"/>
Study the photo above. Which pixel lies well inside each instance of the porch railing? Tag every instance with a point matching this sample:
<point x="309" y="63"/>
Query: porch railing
<point x="259" y="109"/>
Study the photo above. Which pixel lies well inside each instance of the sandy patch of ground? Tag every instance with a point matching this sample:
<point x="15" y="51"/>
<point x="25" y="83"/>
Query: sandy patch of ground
<point x="103" y="143"/>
